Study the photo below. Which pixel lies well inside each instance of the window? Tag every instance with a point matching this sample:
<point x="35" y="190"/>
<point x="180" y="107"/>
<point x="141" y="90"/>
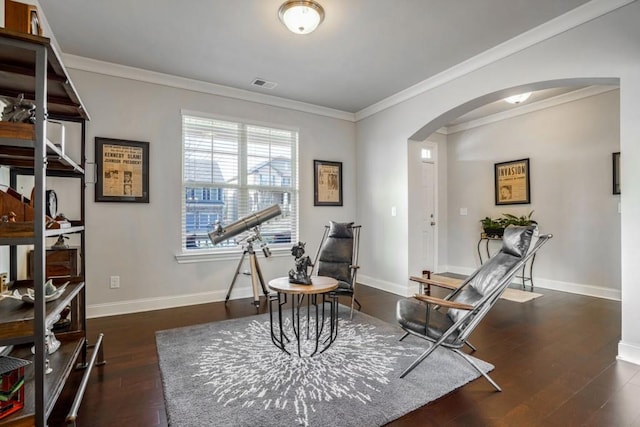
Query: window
<point x="231" y="170"/>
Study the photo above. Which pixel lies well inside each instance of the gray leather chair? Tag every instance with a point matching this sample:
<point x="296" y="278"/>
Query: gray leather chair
<point x="337" y="257"/>
<point x="448" y="322"/>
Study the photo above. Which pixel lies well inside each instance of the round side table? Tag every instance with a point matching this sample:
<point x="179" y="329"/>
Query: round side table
<point x="320" y="286"/>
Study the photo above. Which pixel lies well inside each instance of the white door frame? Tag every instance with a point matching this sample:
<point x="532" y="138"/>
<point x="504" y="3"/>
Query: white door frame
<point x="415" y="217"/>
<point x="433" y="147"/>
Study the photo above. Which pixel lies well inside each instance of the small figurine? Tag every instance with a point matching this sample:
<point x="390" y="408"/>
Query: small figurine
<point x="300" y="275"/>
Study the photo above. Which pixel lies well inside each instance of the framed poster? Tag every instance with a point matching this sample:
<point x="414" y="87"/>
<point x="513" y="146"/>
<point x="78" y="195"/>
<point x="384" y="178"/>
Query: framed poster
<point x="123" y="171"/>
<point x="512" y="182"/>
<point x="327" y="183"/>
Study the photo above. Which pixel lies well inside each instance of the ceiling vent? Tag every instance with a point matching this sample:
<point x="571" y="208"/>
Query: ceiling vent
<point x="264" y="84"/>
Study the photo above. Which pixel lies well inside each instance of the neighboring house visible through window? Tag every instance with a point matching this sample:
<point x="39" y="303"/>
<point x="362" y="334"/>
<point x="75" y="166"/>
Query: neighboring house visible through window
<point x="231" y="170"/>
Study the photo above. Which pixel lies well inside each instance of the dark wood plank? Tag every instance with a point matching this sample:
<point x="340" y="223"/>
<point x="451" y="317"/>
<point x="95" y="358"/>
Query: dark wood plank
<point x="555" y="359"/>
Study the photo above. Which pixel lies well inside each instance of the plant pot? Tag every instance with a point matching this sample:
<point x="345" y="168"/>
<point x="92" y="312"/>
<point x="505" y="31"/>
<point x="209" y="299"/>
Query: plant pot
<point x="494" y="232"/>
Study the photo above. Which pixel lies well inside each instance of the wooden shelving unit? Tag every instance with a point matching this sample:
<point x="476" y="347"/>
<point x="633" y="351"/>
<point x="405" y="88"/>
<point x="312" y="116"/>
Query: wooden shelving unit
<point x="18" y="318"/>
<point x="29" y="65"/>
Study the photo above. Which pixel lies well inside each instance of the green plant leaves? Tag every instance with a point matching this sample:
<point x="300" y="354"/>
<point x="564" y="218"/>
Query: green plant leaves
<point x="507" y="219"/>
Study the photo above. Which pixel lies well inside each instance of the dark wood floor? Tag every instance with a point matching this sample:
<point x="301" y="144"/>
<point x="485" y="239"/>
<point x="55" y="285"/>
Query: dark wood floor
<point x="555" y="360"/>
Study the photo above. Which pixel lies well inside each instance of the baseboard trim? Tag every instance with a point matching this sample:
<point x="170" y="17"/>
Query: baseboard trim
<point x="383" y="285"/>
<point x="556" y="285"/>
<point x="629" y="353"/>
<point x="406" y="290"/>
<point x="150" y="304"/>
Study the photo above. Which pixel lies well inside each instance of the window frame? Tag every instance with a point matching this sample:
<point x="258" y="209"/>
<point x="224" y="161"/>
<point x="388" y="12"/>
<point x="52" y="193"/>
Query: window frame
<point x="278" y="249"/>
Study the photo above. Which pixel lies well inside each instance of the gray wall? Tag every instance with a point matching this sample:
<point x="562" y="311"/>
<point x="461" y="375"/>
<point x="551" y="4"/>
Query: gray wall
<point x="569" y="147"/>
<point x="138" y="242"/>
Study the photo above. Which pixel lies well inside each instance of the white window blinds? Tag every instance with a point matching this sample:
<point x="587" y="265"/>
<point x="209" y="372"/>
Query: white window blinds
<point x="231" y="170"/>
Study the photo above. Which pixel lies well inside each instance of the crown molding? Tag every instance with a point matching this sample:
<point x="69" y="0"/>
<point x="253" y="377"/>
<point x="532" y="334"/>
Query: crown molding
<point x="574" y="18"/>
<point x="529" y="108"/>
<point x="139" y="74"/>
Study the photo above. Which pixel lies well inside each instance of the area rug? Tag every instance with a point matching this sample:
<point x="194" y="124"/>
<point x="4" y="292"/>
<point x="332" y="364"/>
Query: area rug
<point x="509" y="294"/>
<point x="229" y="373"/>
<point x="517" y="295"/>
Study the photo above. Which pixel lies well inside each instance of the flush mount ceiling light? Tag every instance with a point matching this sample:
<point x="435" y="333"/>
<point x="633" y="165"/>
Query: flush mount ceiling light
<point x="517" y="99"/>
<point x="301" y="16"/>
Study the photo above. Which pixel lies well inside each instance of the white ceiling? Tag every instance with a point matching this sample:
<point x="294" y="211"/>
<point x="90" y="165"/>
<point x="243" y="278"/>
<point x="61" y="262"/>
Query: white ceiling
<point x="363" y="52"/>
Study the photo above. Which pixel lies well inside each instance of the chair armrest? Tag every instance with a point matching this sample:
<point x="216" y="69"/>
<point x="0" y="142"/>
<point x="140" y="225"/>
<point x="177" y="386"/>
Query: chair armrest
<point x="443" y="302"/>
<point x="432" y="282"/>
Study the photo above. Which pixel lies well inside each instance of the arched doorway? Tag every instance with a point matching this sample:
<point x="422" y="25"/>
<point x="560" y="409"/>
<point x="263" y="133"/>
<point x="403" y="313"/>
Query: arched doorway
<point x="571" y="188"/>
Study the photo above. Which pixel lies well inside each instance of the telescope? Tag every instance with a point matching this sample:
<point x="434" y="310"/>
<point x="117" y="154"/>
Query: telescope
<point x="249" y="223"/>
<point x="220" y="234"/>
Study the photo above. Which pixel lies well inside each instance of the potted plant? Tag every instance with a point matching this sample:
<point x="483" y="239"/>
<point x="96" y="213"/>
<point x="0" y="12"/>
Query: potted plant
<point x="494" y="227"/>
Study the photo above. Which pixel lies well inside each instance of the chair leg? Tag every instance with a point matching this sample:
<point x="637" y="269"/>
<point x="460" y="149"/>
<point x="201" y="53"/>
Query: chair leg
<point x="354" y="300"/>
<point x="351" y="312"/>
<point x="472" y="363"/>
<point x="470" y="346"/>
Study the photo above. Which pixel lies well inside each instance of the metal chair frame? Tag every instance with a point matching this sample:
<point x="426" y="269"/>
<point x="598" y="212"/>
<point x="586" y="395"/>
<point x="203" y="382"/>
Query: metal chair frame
<point x="468" y="322"/>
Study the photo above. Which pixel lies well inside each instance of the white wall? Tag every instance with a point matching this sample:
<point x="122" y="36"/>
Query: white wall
<point x="569" y="147"/>
<point x="604" y="47"/>
<point x="138" y="242"/>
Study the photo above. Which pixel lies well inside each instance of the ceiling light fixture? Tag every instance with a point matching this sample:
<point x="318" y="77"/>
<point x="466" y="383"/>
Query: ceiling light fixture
<point x="301" y="16"/>
<point x="517" y="99"/>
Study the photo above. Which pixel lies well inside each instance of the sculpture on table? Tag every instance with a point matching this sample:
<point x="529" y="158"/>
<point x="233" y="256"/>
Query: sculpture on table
<point x="300" y="274"/>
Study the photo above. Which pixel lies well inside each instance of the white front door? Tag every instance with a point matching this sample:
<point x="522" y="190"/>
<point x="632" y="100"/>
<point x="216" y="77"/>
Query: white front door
<point x="428" y="208"/>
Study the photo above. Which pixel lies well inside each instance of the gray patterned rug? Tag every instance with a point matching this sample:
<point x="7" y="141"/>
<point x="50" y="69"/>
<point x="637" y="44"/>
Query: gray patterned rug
<point x="229" y="373"/>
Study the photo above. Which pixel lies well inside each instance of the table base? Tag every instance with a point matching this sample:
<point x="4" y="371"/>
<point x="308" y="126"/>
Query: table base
<point x="324" y="331"/>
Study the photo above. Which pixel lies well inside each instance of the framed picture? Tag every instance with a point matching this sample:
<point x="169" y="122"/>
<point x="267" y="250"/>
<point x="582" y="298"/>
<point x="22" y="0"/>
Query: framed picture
<point x="327" y="183"/>
<point x="616" y="173"/>
<point x="123" y="171"/>
<point x="512" y="182"/>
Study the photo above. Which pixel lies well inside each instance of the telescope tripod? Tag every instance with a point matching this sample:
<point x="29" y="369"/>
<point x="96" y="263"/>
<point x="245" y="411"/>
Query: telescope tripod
<point x="256" y="276"/>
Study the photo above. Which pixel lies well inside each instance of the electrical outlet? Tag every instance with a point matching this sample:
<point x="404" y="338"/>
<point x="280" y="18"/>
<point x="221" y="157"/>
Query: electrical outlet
<point x="114" y="282"/>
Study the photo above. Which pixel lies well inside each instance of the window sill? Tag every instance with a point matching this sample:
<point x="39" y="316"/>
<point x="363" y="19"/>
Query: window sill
<point x="188" y="257"/>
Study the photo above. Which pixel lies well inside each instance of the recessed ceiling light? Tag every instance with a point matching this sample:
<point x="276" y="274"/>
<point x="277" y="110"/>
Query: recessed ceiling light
<point x="517" y="99"/>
